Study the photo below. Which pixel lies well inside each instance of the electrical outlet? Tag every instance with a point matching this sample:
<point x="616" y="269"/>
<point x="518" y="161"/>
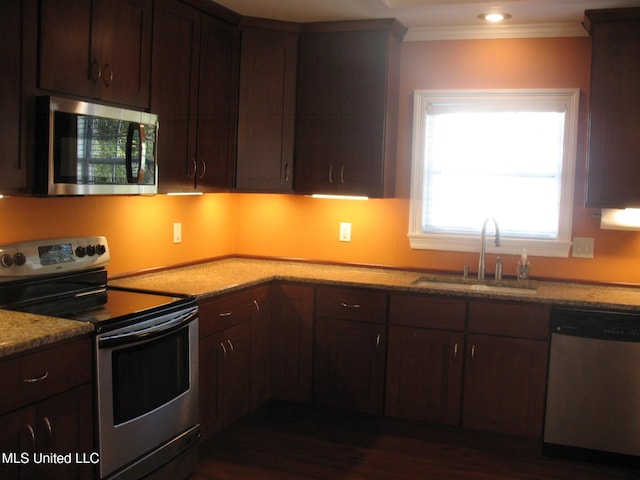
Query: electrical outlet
<point x="345" y="232"/>
<point x="583" y="247"/>
<point x="177" y="233"/>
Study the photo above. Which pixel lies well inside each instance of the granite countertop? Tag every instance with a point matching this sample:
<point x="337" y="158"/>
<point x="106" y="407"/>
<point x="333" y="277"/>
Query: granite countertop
<point x="218" y="277"/>
<point x="20" y="332"/>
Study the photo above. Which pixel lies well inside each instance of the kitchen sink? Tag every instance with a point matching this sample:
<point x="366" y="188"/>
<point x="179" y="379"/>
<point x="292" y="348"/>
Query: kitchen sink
<point x="467" y="286"/>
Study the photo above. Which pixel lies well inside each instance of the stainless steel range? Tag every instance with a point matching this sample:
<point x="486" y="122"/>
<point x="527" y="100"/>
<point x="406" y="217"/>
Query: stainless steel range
<point x="146" y="352"/>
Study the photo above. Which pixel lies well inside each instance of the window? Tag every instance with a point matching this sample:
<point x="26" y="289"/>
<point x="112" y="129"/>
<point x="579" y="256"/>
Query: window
<point x="506" y="154"/>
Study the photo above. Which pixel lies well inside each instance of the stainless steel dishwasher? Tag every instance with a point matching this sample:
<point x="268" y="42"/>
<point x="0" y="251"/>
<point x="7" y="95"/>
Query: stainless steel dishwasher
<point x="593" y="390"/>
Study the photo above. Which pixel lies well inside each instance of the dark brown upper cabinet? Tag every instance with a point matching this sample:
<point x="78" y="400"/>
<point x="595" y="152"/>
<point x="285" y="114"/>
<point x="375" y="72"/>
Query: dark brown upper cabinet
<point x="98" y="49"/>
<point x="347" y="107"/>
<point x="194" y="92"/>
<point x="613" y="178"/>
<point x="17" y="30"/>
<point x="266" y="114"/>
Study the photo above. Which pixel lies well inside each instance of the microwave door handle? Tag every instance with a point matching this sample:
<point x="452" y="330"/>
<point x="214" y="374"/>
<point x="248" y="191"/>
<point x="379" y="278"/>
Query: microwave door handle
<point x="133" y="128"/>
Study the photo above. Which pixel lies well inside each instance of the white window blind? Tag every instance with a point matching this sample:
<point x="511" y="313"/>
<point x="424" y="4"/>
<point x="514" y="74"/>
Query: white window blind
<point x="503" y="154"/>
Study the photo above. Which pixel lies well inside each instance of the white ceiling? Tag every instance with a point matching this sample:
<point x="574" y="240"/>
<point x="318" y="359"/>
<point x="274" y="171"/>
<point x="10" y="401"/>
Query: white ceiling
<point x="438" y="19"/>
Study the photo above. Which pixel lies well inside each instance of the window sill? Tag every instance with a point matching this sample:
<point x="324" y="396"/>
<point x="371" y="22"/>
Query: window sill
<point x="510" y="246"/>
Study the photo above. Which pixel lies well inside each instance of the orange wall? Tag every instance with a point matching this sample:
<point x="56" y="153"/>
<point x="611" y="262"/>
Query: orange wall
<point x="139" y="228"/>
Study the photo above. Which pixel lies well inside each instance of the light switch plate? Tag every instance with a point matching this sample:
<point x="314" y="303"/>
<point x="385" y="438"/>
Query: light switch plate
<point x="345" y="232"/>
<point x="582" y="247"/>
<point x="177" y="233"/>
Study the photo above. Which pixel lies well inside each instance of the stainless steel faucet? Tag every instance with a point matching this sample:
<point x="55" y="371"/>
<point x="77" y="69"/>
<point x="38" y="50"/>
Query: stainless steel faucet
<point x="483" y="247"/>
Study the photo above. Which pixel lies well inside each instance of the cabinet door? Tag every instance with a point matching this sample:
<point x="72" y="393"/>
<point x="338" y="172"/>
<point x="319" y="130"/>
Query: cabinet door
<point x="174" y="92"/>
<point x="65" y="425"/>
<point x="504" y="387"/>
<point x="99" y="49"/>
<point x="614" y="148"/>
<point x="347" y="89"/>
<point x="124" y="36"/>
<point x="292" y="342"/>
<point x="67" y="53"/>
<point x="225" y="377"/>
<point x="266" y="111"/>
<point x="349" y="361"/>
<point x="424" y="374"/>
<point x="12" y="160"/>
<point x="217" y="105"/>
<point x="17" y="436"/>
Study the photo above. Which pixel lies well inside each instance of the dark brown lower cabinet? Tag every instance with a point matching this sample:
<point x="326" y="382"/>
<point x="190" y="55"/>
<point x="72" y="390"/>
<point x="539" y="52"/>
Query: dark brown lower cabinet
<point x="349" y="364"/>
<point x="292" y="342"/>
<point x="504" y="384"/>
<point x="424" y="374"/>
<point x="225" y="376"/>
<point x="62" y="424"/>
<point x="506" y="367"/>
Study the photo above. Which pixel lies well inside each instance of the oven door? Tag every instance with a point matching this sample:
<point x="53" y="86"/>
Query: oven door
<point x="147" y="396"/>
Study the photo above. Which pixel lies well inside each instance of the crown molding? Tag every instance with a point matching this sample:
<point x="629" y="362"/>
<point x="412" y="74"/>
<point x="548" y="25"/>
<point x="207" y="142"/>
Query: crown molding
<point x="478" y="32"/>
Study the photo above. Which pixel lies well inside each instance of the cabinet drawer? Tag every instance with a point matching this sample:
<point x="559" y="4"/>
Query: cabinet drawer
<point x="225" y="312"/>
<point x="510" y="319"/>
<point x="351" y="304"/>
<point x="427" y="312"/>
<point x="32" y="377"/>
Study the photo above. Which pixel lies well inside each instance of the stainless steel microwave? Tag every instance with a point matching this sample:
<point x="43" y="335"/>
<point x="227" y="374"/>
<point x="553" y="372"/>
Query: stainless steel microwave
<point x="89" y="149"/>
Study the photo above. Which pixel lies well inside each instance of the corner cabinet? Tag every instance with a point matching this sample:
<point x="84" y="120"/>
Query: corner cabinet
<point x="194" y="92"/>
<point x="350" y="349"/>
<point x="266" y="114"/>
<point x="614" y="120"/>
<point x="347" y="107"/>
<point x="98" y="49"/>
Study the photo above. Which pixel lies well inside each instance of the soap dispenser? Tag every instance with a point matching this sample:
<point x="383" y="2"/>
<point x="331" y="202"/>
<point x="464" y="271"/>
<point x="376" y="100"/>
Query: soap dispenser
<point x="523" y="268"/>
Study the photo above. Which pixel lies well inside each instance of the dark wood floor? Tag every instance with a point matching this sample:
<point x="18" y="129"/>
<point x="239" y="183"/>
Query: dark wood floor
<point x="287" y="442"/>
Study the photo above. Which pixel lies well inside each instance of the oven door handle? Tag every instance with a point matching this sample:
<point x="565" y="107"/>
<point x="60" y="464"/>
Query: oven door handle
<point x="147" y="334"/>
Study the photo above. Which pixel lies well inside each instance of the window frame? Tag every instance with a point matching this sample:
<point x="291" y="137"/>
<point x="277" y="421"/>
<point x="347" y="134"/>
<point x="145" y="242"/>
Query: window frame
<point x="559" y="247"/>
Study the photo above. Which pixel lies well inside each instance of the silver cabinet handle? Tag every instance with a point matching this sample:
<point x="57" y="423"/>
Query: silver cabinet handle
<point x="378" y="342"/>
<point x="330" y="173"/>
<point x="32" y="436"/>
<point x="224" y="349"/>
<point x="47" y="424"/>
<point x="204" y="169"/>
<point x="230" y="346"/>
<point x="287" y="172"/>
<point x="195" y="167"/>
<point x="36" y="379"/>
<point x="225" y="314"/>
<point x="473" y="352"/>
<point x="342" y="174"/>
<point x="350" y="305"/>
<point x="257" y="305"/>
<point x="455" y="352"/>
<point x="96" y="71"/>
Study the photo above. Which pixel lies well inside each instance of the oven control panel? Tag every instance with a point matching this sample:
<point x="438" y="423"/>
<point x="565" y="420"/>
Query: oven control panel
<point x="46" y="257"/>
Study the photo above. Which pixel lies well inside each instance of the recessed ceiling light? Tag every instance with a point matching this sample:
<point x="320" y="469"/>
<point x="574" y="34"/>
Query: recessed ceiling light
<point x="494" y="17"/>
